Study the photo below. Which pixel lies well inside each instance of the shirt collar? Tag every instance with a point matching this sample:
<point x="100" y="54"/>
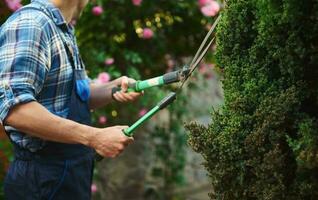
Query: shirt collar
<point x="53" y="11"/>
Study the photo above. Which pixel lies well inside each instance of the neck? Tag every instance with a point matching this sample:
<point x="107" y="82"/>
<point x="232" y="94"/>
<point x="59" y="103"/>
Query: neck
<point x="67" y="8"/>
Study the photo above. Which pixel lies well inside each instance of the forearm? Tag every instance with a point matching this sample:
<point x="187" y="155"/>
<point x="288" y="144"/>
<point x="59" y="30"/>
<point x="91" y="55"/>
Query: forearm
<point x="35" y="120"/>
<point x="101" y="94"/>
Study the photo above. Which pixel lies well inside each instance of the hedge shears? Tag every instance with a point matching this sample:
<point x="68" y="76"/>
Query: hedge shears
<point x="181" y="76"/>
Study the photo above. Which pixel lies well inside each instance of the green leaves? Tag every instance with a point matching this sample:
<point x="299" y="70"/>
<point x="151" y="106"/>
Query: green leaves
<point x="263" y="143"/>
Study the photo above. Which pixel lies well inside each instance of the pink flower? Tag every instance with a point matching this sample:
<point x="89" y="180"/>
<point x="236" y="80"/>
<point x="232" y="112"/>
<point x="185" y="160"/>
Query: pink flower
<point x="203" y="69"/>
<point x="13" y="4"/>
<point x="142" y="112"/>
<point x="211" y="9"/>
<point x="93" y="188"/>
<point x="137" y="2"/>
<point x="109" y="61"/>
<point x="97" y="10"/>
<point x="204" y="2"/>
<point x="102" y="119"/>
<point x="147" y="33"/>
<point x="103" y="77"/>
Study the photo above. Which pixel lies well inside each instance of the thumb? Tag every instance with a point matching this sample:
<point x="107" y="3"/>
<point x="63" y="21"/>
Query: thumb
<point x="124" y="84"/>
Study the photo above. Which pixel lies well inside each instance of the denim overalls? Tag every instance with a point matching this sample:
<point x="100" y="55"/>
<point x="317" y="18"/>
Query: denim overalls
<point x="59" y="171"/>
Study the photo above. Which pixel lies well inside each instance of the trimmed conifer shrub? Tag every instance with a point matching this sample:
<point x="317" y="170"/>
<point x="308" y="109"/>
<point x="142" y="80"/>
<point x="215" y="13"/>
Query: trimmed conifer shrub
<point x="263" y="143"/>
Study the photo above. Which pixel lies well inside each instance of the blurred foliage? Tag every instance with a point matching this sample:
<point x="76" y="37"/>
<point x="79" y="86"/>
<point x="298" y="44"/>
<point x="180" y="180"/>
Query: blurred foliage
<point x="178" y="28"/>
<point x="117" y="33"/>
<point x="263" y="143"/>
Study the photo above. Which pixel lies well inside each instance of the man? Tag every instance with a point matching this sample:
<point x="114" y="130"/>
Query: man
<point x="45" y="102"/>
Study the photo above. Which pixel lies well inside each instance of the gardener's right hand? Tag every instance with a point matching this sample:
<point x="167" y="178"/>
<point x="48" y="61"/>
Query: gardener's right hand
<point x="110" y="142"/>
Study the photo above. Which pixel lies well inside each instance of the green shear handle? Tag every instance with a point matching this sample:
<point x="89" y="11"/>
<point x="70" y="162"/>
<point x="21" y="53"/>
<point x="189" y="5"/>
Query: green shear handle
<point x="167" y="78"/>
<point x="161" y="105"/>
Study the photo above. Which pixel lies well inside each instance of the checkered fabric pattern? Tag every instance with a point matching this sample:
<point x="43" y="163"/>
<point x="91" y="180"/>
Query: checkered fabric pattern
<point x="34" y="65"/>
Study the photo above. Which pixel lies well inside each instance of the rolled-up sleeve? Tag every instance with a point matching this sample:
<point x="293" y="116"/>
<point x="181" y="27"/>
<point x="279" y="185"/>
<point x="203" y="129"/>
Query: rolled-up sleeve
<point x="24" y="63"/>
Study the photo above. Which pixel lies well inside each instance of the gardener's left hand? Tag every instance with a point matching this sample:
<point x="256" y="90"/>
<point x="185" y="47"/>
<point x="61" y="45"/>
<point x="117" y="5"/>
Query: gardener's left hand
<point x="123" y="95"/>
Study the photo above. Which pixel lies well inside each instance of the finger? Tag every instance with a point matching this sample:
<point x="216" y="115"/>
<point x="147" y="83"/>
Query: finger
<point x="130" y="140"/>
<point x="131" y="80"/>
<point x="135" y="95"/>
<point x="100" y="153"/>
<point x="124" y="97"/>
<point x="131" y="96"/>
<point x="121" y="147"/>
<point x="127" y="96"/>
<point x="119" y="97"/>
<point x="124" y="84"/>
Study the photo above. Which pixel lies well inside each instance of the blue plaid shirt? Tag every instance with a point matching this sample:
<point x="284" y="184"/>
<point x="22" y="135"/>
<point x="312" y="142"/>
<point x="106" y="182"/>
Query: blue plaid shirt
<point x="34" y="65"/>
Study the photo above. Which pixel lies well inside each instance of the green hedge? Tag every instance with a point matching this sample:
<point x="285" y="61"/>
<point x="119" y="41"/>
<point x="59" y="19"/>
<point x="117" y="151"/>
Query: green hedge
<point x="263" y="143"/>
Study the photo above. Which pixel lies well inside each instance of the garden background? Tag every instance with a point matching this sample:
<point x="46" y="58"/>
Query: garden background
<point x="262" y="143"/>
<point x="144" y="39"/>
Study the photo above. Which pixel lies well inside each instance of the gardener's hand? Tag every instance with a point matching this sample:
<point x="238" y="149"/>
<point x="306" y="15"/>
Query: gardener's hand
<point x="109" y="142"/>
<point x="123" y="95"/>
